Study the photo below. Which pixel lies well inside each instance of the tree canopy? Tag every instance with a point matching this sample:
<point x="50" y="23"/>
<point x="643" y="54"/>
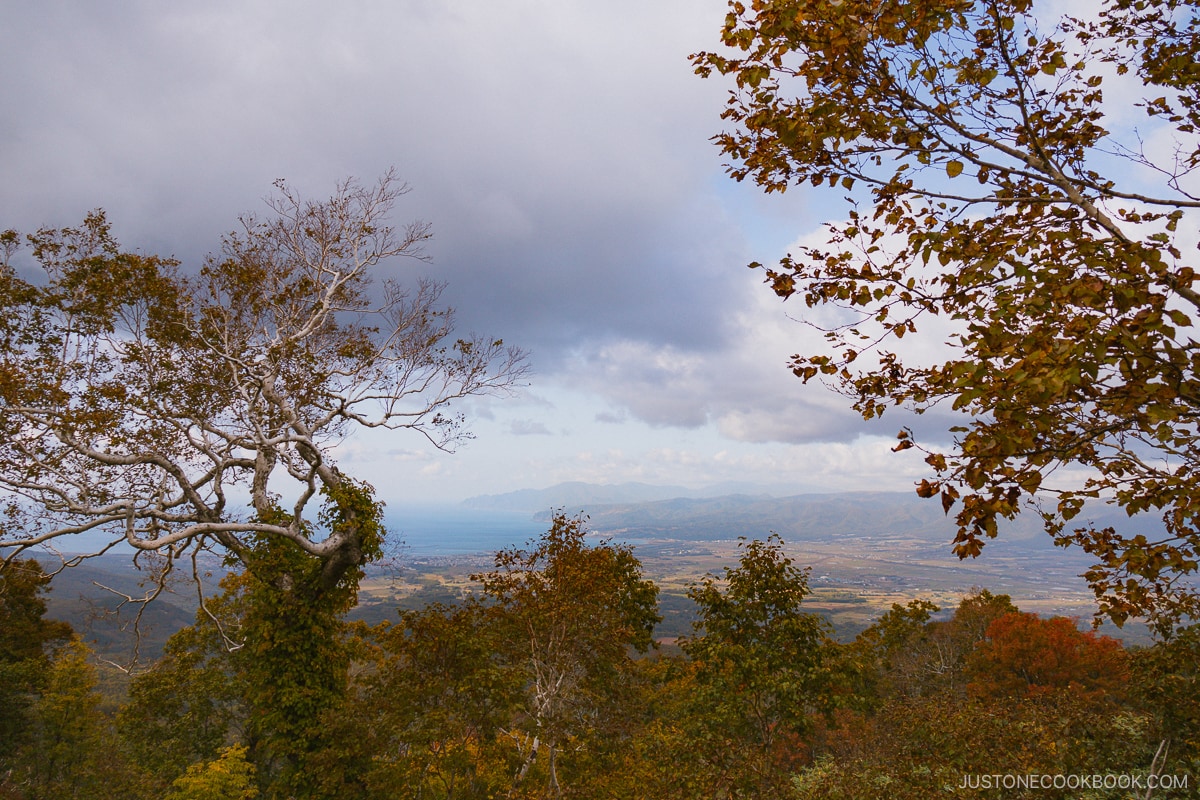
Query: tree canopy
<point x="761" y="669"/>
<point x="146" y="403"/>
<point x="992" y="184"/>
<point x="573" y="613"/>
<point x="26" y="639"/>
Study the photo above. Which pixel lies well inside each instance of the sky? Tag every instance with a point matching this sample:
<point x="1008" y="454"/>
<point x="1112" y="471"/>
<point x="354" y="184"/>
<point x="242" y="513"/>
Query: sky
<point x="560" y="151"/>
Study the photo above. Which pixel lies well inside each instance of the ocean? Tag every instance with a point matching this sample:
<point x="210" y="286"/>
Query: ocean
<point x="454" y="530"/>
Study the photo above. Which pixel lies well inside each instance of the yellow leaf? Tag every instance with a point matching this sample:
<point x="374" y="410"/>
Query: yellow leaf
<point x="954" y="168"/>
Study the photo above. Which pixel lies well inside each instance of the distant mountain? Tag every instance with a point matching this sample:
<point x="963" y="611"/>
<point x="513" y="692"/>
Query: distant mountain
<point x="576" y="495"/>
<point x="795" y="518"/>
<point x="645" y="511"/>
<point x="821" y="517"/>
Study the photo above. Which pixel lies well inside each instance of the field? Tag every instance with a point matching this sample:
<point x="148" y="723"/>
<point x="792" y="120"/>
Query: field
<point x="853" y="580"/>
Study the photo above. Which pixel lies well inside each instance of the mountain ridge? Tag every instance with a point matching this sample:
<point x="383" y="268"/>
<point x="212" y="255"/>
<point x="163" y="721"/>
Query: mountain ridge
<point x="696" y="515"/>
<point x="570" y="494"/>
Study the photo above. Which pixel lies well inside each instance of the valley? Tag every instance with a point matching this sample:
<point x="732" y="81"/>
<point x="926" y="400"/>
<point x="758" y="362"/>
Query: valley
<point x="864" y="552"/>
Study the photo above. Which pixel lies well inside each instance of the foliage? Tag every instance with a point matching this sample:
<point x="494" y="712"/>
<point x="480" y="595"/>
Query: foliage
<point x="761" y="669"/>
<point x="445" y="703"/>
<point x="571" y="615"/>
<point x="230" y="777"/>
<point x="976" y="613"/>
<point x="293" y="660"/>
<point x="990" y="691"/>
<point x="670" y="730"/>
<point x="66" y="752"/>
<point x="988" y="649"/>
<point x="190" y="703"/>
<point x="25" y="633"/>
<point x="892" y="656"/>
<point x="925" y="747"/>
<point x="1166" y="682"/>
<point x="1027" y="656"/>
<point x="25" y="637"/>
<point x="981" y="138"/>
<point x="139" y="401"/>
<point x="266" y="663"/>
<point x="431" y="702"/>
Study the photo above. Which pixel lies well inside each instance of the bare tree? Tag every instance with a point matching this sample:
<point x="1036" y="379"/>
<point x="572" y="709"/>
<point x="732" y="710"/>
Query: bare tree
<point x="176" y="412"/>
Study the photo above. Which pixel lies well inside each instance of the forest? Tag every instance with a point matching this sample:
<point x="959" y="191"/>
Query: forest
<point x="546" y="682"/>
<point x="1015" y="261"/>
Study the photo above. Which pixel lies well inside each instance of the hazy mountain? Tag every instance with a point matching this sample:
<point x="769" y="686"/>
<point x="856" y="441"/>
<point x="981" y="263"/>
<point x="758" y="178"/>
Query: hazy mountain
<point x="795" y="518"/>
<point x="575" y="495"/>
<point x="813" y="517"/>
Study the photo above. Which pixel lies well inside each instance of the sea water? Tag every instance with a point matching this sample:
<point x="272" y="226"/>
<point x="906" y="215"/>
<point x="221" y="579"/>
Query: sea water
<point x="455" y="530"/>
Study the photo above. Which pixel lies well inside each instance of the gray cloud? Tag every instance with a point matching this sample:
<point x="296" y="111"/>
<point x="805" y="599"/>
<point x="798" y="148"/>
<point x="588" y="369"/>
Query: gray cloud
<point x="560" y="150"/>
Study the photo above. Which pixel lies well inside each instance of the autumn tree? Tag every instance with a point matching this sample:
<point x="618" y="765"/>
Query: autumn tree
<point x="1024" y="655"/>
<point x="991" y="205"/>
<point x="990" y="691"/>
<point x="66" y="751"/>
<point x="907" y="653"/>
<point x="148" y="405"/>
<point x="975" y="614"/>
<point x="761" y="671"/>
<point x="572" y="613"/>
<point x="431" y="697"/>
<point x="177" y="413"/>
<point x="26" y="638"/>
<point x="895" y="654"/>
<point x="919" y="748"/>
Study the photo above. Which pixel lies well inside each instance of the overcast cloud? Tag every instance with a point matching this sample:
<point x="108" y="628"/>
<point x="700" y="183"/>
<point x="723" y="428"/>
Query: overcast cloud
<point x="560" y="150"/>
